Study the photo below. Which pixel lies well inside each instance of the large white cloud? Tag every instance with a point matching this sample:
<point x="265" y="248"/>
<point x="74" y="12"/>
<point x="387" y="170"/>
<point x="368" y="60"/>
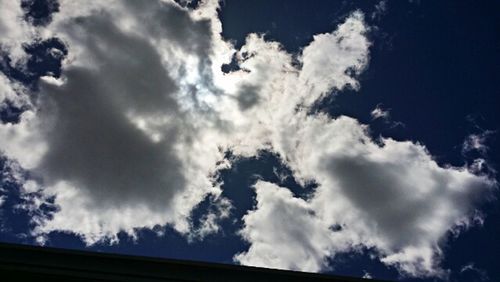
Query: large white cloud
<point x="133" y="132"/>
<point x="124" y="139"/>
<point x="391" y="197"/>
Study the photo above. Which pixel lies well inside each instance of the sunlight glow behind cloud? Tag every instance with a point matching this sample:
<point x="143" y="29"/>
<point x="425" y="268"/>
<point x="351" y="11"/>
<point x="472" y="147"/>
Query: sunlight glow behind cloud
<point x="134" y="131"/>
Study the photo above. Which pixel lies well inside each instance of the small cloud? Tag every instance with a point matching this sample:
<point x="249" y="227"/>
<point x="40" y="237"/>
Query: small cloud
<point x="385" y="115"/>
<point x="470" y="267"/>
<point x="380" y="113"/>
<point x="282" y="176"/>
<point x="380" y="10"/>
<point x="2" y="199"/>
<point x="367" y="275"/>
<point x="52" y="80"/>
<point x="476" y="142"/>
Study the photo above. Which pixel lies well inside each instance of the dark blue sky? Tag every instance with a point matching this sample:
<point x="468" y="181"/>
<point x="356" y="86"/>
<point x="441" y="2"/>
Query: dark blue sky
<point x="434" y="64"/>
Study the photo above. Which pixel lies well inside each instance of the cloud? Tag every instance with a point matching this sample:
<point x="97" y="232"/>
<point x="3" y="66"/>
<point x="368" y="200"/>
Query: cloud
<point x="92" y="142"/>
<point x="116" y="135"/>
<point x="380" y="10"/>
<point x="16" y="137"/>
<point x="14" y="29"/>
<point x="133" y="132"/>
<point x="332" y="60"/>
<point x="284" y="232"/>
<point x="393" y="198"/>
<point x="470" y="267"/>
<point x="476" y="142"/>
<point x="367" y="275"/>
<point x="379" y="113"/>
<point x="10" y="101"/>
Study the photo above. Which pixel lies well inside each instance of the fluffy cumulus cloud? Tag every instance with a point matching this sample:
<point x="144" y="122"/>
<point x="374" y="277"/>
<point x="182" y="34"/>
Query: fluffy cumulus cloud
<point x="132" y="132"/>
<point x="391" y="197"/>
<point x="285" y="232"/>
<point x="118" y="137"/>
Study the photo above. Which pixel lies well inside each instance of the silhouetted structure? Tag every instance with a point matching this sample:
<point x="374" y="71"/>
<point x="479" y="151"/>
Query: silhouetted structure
<point x="28" y="263"/>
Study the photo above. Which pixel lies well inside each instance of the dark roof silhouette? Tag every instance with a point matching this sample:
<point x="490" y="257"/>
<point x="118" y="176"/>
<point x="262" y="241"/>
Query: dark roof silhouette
<point x="29" y="263"/>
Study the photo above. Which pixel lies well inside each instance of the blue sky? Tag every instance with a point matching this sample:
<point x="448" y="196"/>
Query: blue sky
<point x="413" y="71"/>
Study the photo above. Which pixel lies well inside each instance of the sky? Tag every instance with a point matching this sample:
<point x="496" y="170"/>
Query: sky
<point x="353" y="138"/>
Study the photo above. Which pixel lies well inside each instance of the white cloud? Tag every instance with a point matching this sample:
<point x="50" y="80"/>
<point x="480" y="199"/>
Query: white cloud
<point x="209" y="222"/>
<point x="332" y="60"/>
<point x="380" y="10"/>
<point x="14" y="29"/>
<point x="476" y="142"/>
<point x="470" y="267"/>
<point x="379" y="112"/>
<point x="117" y="135"/>
<point x="367" y="275"/>
<point x="393" y="198"/>
<point x="15" y="138"/>
<point x="133" y="132"/>
<point x="284" y="232"/>
<point x="12" y="93"/>
<point x="6" y="91"/>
